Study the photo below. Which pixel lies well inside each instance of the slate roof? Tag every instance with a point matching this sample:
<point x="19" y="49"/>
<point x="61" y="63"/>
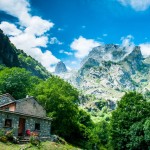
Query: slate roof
<point x="6" y="99"/>
<point x="22" y="114"/>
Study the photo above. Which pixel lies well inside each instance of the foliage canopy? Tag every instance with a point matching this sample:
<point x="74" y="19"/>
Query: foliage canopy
<point x="130" y="123"/>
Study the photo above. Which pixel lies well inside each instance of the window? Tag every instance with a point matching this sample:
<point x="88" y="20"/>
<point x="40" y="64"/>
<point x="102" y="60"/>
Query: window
<point x="8" y="123"/>
<point x="37" y="126"/>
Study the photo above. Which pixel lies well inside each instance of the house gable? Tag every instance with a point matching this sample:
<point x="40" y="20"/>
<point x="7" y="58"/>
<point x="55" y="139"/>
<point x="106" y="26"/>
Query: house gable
<point x="30" y="106"/>
<point x="9" y="106"/>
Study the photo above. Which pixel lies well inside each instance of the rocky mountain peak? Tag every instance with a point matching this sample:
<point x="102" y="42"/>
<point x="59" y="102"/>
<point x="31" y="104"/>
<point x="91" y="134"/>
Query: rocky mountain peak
<point x="114" y="53"/>
<point x="110" y="70"/>
<point x="135" y="54"/>
<point x="60" y="68"/>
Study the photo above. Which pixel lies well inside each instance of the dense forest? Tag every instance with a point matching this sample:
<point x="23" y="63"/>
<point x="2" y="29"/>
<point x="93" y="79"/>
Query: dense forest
<point x="128" y="126"/>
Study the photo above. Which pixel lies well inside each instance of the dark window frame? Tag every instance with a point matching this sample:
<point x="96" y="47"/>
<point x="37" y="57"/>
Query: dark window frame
<point x="37" y="126"/>
<point x="8" y="123"/>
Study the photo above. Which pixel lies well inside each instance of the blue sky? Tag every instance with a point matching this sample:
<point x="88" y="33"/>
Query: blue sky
<point x="67" y="30"/>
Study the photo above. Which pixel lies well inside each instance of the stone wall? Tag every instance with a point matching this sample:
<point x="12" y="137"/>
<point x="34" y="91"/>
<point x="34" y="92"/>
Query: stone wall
<point x="45" y="125"/>
<point x="13" y="117"/>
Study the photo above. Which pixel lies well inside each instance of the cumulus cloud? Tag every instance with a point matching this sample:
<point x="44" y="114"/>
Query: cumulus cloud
<point x="145" y="49"/>
<point x="29" y="33"/>
<point x="54" y="40"/>
<point x="65" y="52"/>
<point x="17" y="8"/>
<point x="82" y="46"/>
<point x="38" y="26"/>
<point x="138" y="5"/>
<point x="128" y="43"/>
<point x="27" y="41"/>
<point x="10" y="28"/>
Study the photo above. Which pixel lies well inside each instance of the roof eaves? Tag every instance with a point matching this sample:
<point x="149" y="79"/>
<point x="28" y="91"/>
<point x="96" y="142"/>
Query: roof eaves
<point x="22" y="114"/>
<point x="7" y="104"/>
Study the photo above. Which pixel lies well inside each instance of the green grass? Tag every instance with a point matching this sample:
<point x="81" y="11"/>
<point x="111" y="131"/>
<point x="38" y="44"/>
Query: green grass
<point x="44" y="146"/>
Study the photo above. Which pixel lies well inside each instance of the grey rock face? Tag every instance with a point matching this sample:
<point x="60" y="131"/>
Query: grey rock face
<point x="60" y="68"/>
<point x="111" y="70"/>
<point x="114" y="53"/>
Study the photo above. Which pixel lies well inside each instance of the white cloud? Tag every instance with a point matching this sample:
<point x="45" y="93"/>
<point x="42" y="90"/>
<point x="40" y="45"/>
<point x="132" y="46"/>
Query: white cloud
<point x="105" y="35"/>
<point x="60" y="29"/>
<point x="29" y="34"/>
<point x="21" y="10"/>
<point x="17" y="8"/>
<point x="145" y="49"/>
<point x="38" y="26"/>
<point x="138" y="5"/>
<point x="27" y="41"/>
<point x="48" y="60"/>
<point x="54" y="40"/>
<point x="65" y="52"/>
<point x="128" y="43"/>
<point x="68" y="53"/>
<point x="82" y="46"/>
<point x="10" y="28"/>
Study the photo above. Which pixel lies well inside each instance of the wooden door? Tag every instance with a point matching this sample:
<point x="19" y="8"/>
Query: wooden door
<point x="21" y="130"/>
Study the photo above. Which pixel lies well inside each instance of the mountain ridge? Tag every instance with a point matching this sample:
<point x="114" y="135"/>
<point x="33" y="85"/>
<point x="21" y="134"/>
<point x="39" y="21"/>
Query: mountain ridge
<point x="111" y="70"/>
<point x="10" y="56"/>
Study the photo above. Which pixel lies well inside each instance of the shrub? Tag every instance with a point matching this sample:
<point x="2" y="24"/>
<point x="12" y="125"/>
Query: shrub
<point x="9" y="135"/>
<point x="3" y="137"/>
<point x="35" y="141"/>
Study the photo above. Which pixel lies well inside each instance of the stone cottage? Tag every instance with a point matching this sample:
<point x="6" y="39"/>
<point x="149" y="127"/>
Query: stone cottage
<point x="24" y="115"/>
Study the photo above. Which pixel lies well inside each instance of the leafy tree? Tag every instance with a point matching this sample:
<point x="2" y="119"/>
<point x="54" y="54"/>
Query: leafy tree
<point x="59" y="98"/>
<point x="139" y="134"/>
<point x="16" y="81"/>
<point x="130" y="122"/>
<point x="100" y="134"/>
<point x="85" y="118"/>
<point x="32" y="65"/>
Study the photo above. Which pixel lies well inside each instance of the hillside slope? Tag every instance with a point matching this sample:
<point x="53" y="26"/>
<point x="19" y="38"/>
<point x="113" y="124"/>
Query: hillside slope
<point x="10" y="56"/>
